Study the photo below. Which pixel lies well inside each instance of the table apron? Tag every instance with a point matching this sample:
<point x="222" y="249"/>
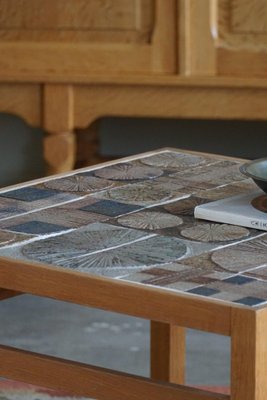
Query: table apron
<point x="116" y="295"/>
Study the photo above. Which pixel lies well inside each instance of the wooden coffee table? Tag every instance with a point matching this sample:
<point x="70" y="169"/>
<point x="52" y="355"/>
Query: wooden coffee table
<point x="121" y="236"/>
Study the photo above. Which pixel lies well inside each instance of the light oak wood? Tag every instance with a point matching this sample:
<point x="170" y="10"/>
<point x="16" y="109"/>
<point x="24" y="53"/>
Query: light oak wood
<point x="51" y="58"/>
<point x="114" y="78"/>
<point x="168" y="97"/>
<point x="22" y="16"/>
<point x="58" y="108"/>
<point x="114" y="295"/>
<point x="86" y="380"/>
<point x="241" y="38"/>
<point x="242" y="24"/>
<point x="23" y="100"/>
<point x="60" y="142"/>
<point x="167" y="352"/>
<point x="164" y="37"/>
<point x="241" y="62"/>
<point x="59" y="152"/>
<point x="166" y="101"/>
<point x="249" y="16"/>
<point x="249" y="354"/>
<point x="119" y="21"/>
<point x="196" y="45"/>
<point x="51" y="50"/>
<point x="222" y="37"/>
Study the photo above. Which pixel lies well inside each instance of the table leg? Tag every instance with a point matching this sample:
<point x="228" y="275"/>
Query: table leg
<point x="249" y="355"/>
<point x="167" y="352"/>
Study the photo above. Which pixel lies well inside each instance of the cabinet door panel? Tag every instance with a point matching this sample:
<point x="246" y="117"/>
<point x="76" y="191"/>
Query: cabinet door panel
<point x="241" y="45"/>
<point x="50" y="37"/>
<point x="248" y="16"/>
<point x="223" y="37"/>
<point x="118" y="21"/>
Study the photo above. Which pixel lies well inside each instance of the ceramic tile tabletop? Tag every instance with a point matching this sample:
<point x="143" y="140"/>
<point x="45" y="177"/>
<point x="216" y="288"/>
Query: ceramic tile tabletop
<point x="133" y="220"/>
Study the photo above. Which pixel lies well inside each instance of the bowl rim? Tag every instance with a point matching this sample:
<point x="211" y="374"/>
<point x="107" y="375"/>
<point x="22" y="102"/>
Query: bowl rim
<point x="243" y="169"/>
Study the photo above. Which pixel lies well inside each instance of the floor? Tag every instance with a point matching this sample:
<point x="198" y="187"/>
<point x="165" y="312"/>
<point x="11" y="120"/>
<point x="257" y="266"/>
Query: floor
<point x="105" y="339"/>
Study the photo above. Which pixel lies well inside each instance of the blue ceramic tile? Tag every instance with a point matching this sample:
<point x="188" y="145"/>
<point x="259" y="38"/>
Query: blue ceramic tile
<point x="250" y="301"/>
<point x="238" y="280"/>
<point x="36" y="227"/>
<point x="110" y="208"/>
<point x="87" y="173"/>
<point x="6" y="211"/>
<point x="204" y="291"/>
<point x="29" y="194"/>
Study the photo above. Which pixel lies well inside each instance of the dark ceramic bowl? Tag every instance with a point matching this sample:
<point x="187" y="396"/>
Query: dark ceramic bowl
<point x="257" y="170"/>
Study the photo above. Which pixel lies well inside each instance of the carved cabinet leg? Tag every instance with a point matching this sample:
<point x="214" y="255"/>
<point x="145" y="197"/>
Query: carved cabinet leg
<point x="59" y="152"/>
<point x="167" y="352"/>
<point x="58" y="121"/>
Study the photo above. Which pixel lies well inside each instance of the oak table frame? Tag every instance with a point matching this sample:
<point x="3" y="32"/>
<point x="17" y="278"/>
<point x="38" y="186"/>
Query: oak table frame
<point x="170" y="313"/>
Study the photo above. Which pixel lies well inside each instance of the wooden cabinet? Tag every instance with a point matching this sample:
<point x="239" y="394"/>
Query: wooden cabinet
<point x="242" y="37"/>
<point x="48" y="37"/>
<point x="223" y="37"/>
<point x="66" y="63"/>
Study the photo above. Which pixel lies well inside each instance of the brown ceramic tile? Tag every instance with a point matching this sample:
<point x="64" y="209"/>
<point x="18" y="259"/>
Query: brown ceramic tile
<point x="207" y="177"/>
<point x="143" y="194"/>
<point x="61" y="218"/>
<point x="79" y="183"/>
<point x="229" y="190"/>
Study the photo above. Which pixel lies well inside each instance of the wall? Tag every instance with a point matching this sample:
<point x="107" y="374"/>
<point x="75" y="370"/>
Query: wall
<point x="20" y="151"/>
<point x="123" y="136"/>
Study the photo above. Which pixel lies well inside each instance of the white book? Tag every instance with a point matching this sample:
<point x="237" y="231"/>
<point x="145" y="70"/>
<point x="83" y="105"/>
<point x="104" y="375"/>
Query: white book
<point x="248" y="210"/>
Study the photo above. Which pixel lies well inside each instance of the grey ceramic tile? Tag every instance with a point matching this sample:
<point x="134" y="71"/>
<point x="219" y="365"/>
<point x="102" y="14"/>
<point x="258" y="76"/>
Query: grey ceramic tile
<point x="243" y="256"/>
<point x="150" y="220"/>
<point x="215" y="233"/>
<point x="207" y="177"/>
<point x="177" y="161"/>
<point x="91" y="238"/>
<point x="102" y="249"/>
<point x="79" y="183"/>
<point x="144" y="194"/>
<point x="260" y="272"/>
<point x="128" y="172"/>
